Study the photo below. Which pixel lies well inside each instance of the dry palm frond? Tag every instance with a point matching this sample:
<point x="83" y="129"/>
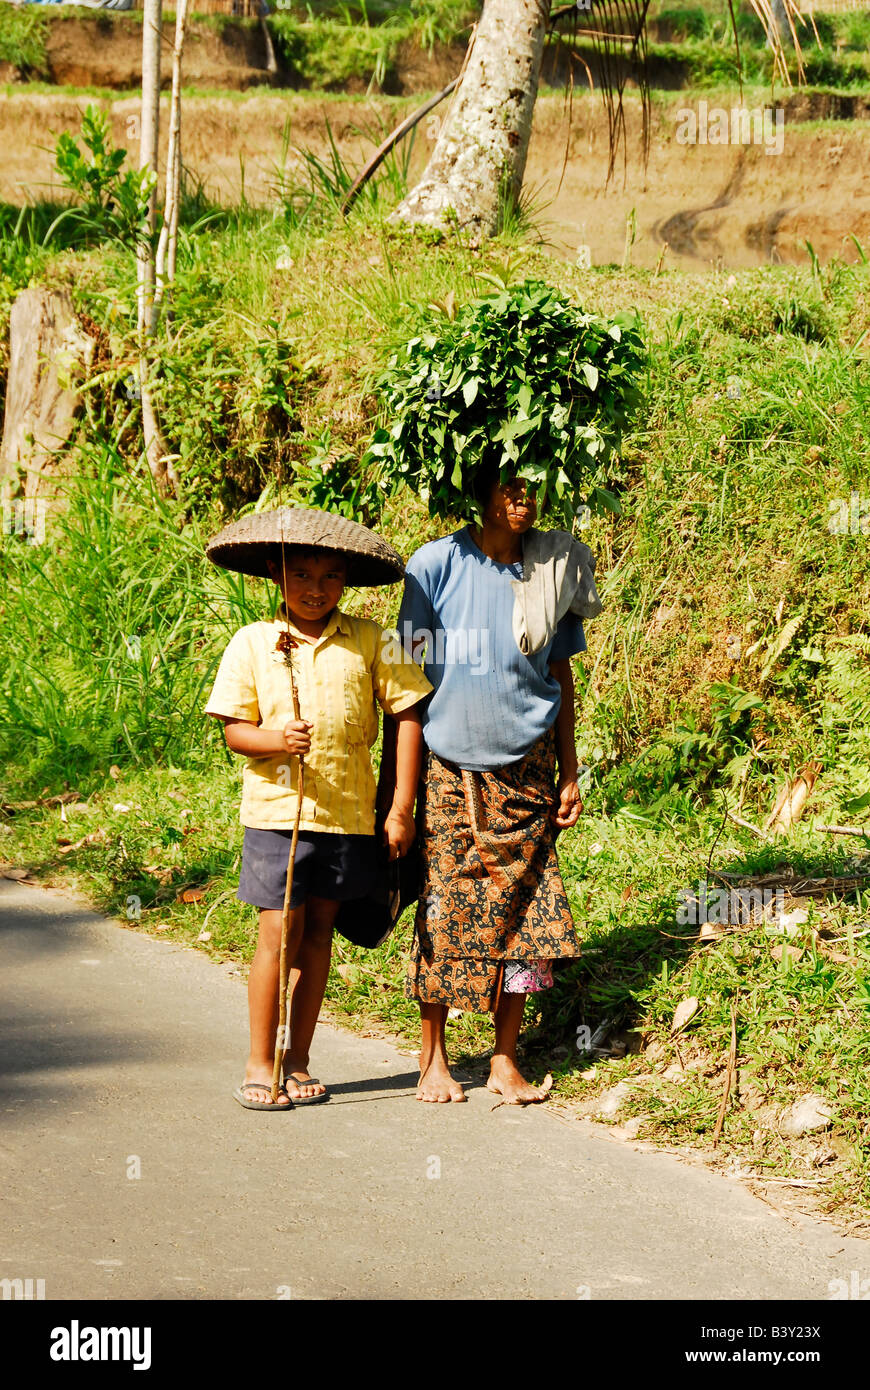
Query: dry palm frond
<point x="766" y="16"/>
<point x="617" y="29"/>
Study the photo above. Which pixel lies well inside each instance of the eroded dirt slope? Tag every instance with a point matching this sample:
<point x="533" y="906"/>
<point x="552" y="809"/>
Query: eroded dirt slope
<point x="737" y="204"/>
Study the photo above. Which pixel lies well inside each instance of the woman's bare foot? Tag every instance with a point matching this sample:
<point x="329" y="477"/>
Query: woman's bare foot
<point x="436" y="1083"/>
<point x="511" y="1085"/>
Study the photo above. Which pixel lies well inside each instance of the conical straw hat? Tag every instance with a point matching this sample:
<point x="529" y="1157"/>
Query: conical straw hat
<point x="246" y="544"/>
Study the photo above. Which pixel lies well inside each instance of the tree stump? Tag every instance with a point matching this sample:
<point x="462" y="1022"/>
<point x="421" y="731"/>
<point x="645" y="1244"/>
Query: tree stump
<point x="48" y="352"/>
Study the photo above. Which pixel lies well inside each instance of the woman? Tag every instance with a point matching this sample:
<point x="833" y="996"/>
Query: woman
<point x="494" y="610"/>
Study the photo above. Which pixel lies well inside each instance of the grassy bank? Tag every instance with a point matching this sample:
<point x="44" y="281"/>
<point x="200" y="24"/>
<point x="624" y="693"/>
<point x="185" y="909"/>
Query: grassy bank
<point x="332" y="46"/>
<point x="734" y="646"/>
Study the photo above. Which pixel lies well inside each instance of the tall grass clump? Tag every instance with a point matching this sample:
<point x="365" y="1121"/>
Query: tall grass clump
<point x="331" y="45"/>
<point x="312" y="188"/>
<point x="23" y="32"/>
<point x="736" y="648"/>
<point x="111" y="626"/>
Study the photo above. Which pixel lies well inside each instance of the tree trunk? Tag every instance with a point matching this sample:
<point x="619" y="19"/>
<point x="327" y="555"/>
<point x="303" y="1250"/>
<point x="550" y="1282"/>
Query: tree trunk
<point x="166" y="248"/>
<point x="480" y="154"/>
<point x="271" y="60"/>
<point x="779" y="27"/>
<point x="48" y="352"/>
<point x="152" y="34"/>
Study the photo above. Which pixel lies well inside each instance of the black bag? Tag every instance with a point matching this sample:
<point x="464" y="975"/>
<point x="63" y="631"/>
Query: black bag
<point x="368" y="921"/>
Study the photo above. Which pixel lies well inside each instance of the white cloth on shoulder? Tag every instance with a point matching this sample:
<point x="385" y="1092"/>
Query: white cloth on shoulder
<point x="558" y="578"/>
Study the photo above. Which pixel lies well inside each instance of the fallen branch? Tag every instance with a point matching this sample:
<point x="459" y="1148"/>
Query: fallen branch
<point x="794" y="886"/>
<point x="221" y="898"/>
<point x="834" y="940"/>
<point x="393" y="139"/>
<point x="10" y="808"/>
<point x="843" y="829"/>
<point x="787" y="1182"/>
<point x="747" y="825"/>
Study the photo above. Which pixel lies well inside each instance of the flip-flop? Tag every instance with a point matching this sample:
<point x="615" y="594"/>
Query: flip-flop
<point x="306" y="1100"/>
<point x="239" y="1095"/>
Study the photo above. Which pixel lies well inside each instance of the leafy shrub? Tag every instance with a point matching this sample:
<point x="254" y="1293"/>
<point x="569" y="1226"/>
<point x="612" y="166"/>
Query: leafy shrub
<point x="228" y="406"/>
<point x="682" y="22"/>
<point x="330" y="45"/>
<point x="330" y="481"/>
<point x="696" y="752"/>
<point x="835" y="70"/>
<point x="853" y="28"/>
<point x="327" y="53"/>
<point x="112" y="203"/>
<point x="520" y="380"/>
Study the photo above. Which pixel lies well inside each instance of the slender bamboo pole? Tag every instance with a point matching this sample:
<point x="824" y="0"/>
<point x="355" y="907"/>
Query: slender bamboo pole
<point x="152" y="33"/>
<point x="283" y="963"/>
<point x="165" y="259"/>
<point x="152" y="36"/>
<point x="281" y="1039"/>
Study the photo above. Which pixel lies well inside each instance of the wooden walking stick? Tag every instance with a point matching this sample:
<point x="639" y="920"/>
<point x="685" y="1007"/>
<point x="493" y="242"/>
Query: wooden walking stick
<point x="286" y="645"/>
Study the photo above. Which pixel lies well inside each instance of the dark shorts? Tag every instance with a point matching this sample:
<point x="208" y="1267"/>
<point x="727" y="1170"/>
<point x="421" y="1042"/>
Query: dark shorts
<point x="328" y="865"/>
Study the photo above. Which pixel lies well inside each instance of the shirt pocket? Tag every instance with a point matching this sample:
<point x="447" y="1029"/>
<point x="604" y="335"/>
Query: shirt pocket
<point x="360" y="721"/>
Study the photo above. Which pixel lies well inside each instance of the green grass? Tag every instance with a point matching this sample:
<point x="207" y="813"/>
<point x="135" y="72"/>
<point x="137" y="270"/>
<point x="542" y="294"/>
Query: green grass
<point x="23" y="31"/>
<point x="328" y="50"/>
<point x="705" y="63"/>
<point x="723" y="534"/>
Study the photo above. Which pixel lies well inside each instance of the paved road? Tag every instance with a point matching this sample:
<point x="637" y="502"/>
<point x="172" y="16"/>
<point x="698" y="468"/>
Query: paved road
<point x="118" y="1047"/>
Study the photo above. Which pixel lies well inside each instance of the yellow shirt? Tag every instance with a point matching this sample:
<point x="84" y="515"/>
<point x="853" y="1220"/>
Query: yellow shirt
<point x="338" y="678"/>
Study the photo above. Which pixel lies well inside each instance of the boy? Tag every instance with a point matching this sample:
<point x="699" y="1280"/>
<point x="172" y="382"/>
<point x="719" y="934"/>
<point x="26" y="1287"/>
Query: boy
<point x="340" y="668"/>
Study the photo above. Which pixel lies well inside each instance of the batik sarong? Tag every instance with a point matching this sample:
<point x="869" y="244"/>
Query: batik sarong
<point x="492" y="890"/>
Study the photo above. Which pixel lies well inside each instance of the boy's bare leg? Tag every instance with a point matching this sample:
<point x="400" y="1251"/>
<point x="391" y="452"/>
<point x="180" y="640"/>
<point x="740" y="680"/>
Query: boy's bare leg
<point x="504" y="1075"/>
<point x="436" y="1083"/>
<point x="263" y="995"/>
<point x="307" y="987"/>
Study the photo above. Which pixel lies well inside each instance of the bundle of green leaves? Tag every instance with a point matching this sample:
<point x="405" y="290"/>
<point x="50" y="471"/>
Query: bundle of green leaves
<point x="522" y="380"/>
